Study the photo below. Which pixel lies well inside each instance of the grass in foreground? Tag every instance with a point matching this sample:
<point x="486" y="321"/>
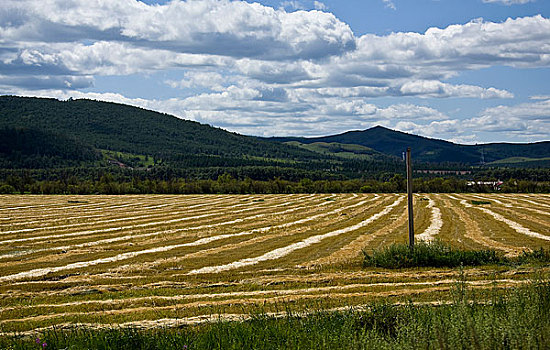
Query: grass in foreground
<point x="511" y="319"/>
<point x="438" y="254"/>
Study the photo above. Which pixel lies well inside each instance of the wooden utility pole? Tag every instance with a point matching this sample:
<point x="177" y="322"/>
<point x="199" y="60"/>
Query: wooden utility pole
<point x="410" y="198"/>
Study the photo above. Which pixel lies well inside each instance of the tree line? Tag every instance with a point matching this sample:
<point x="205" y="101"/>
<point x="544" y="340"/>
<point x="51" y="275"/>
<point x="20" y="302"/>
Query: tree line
<point x="227" y="184"/>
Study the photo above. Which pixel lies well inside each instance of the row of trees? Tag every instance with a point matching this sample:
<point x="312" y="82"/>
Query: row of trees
<point x="225" y="183"/>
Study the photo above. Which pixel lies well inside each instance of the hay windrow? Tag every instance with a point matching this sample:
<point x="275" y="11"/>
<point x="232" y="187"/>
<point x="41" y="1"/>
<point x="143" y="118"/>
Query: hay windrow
<point x="283" y="251"/>
<point x="473" y="232"/>
<point x="435" y="223"/>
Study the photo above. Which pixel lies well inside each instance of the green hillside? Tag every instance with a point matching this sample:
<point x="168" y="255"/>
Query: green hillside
<point x="88" y="134"/>
<point x="394" y="143"/>
<point x="342" y="150"/>
<point x="522" y="162"/>
<point x="46" y="134"/>
<point x="499" y="151"/>
<point x="424" y="149"/>
<point x="129" y="129"/>
<point x="31" y="148"/>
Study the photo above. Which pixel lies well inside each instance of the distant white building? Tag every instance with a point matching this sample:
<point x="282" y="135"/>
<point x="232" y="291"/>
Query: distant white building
<point x="495" y="184"/>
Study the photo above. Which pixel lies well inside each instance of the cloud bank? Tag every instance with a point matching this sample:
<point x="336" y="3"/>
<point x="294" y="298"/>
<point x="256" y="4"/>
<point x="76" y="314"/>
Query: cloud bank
<point x="258" y="70"/>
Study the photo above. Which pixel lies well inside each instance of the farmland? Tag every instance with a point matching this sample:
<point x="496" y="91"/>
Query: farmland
<point x="153" y="260"/>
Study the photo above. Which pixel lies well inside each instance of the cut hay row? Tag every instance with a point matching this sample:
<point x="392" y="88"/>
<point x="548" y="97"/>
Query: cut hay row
<point x="153" y="306"/>
<point x="532" y="221"/>
<point x="435" y="223"/>
<point x="352" y="250"/>
<point x="280" y="252"/>
<point x="137" y="208"/>
<point x="511" y="223"/>
<point x="45" y="207"/>
<point x="209" y="307"/>
<point x="516" y="201"/>
<point x="534" y="218"/>
<point x="537" y="203"/>
<point x="42" y="228"/>
<point x="473" y="231"/>
<point x="137" y="204"/>
<point x="532" y="210"/>
<point x="301" y="302"/>
<point x="133" y="254"/>
<point x="210" y="203"/>
<point x="162" y="218"/>
<point x="514" y="225"/>
<point x="491" y="199"/>
<point x="521" y="203"/>
<point x="197" y="320"/>
<point x="15" y="222"/>
<point x="157" y="233"/>
<point x="160" y="299"/>
<point x="124" y="256"/>
<point x="116" y="239"/>
<point x="129" y="305"/>
<point x="207" y="240"/>
<point x="135" y="236"/>
<point x="110" y="229"/>
<point x="75" y="286"/>
<point x="314" y="224"/>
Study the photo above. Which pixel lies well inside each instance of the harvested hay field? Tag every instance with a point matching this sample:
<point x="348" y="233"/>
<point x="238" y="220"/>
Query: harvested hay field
<point x="155" y="260"/>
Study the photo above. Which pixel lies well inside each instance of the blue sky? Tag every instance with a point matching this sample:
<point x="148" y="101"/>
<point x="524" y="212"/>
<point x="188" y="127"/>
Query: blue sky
<point x="467" y="71"/>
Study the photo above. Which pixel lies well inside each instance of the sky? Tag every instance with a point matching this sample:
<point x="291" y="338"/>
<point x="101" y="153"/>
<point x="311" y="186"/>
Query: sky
<point x="467" y="71"/>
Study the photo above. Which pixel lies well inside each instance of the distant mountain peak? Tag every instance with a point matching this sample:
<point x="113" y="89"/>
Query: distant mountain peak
<point x="379" y="127"/>
<point x="425" y="149"/>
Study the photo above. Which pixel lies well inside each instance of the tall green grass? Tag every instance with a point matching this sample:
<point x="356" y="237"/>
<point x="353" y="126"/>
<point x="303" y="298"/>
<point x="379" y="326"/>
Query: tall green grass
<point x="432" y="254"/>
<point x="438" y="254"/>
<point x="540" y="255"/>
<point x="510" y="319"/>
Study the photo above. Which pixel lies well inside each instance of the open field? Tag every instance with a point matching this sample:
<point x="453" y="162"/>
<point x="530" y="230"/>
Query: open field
<point x="168" y="260"/>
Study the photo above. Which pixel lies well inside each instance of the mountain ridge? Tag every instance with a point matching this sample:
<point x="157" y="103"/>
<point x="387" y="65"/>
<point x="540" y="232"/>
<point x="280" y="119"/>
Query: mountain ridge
<point x="427" y="149"/>
<point x="111" y="127"/>
<point x="133" y="137"/>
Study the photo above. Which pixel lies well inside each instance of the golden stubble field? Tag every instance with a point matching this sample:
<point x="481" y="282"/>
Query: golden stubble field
<point x="157" y="260"/>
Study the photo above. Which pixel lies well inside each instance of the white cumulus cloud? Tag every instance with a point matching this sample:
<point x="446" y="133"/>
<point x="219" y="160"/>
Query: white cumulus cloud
<point x="525" y="120"/>
<point x="230" y="28"/>
<point x="318" y="5"/>
<point x="390" y="4"/>
<point x="435" y="88"/>
<point x="259" y="70"/>
<point x="509" y="2"/>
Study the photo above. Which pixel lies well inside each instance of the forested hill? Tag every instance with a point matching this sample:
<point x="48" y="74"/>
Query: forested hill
<point x="30" y="148"/>
<point x="39" y="133"/>
<point x="425" y="149"/>
<point x="124" y="128"/>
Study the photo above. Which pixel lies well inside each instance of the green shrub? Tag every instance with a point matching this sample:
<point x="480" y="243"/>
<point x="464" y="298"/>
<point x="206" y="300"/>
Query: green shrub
<point x="7" y="189"/>
<point x="480" y="202"/>
<point x="432" y="254"/>
<point x="538" y="255"/>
